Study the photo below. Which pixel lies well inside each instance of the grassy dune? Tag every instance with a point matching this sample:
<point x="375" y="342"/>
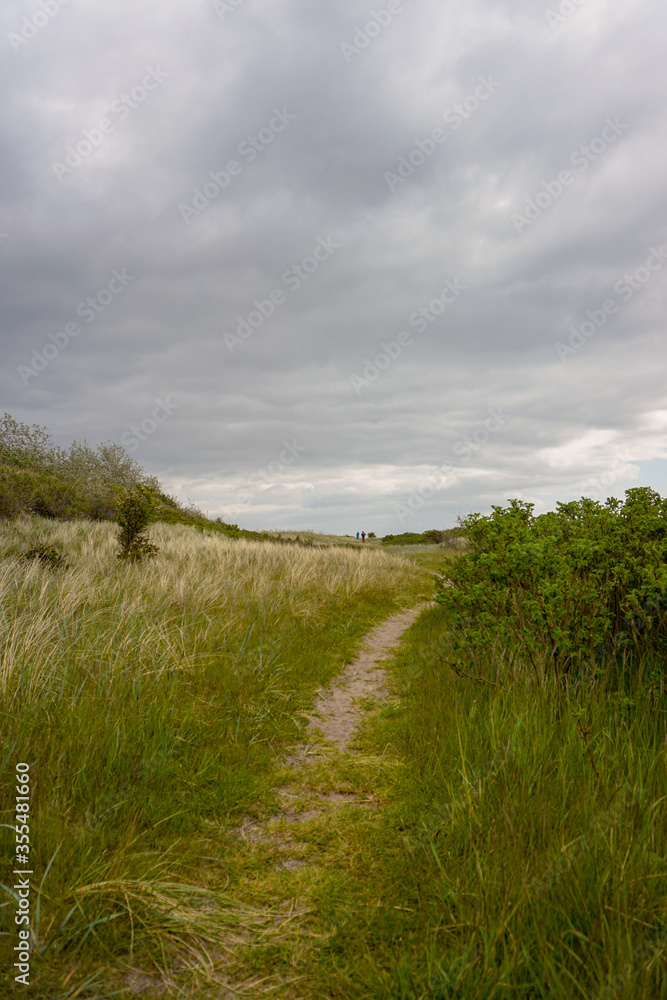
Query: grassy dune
<point x="507" y="835"/>
<point x="151" y="702"/>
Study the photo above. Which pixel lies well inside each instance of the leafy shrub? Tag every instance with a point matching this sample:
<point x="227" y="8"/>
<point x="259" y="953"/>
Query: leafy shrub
<point x="450" y="537"/>
<point x="30" y="491"/>
<point x="407" y="538"/>
<point x="37" y="477"/>
<point x="50" y="555"/>
<point x="24" y="446"/>
<point x="579" y="585"/>
<point x="232" y="530"/>
<point x="433" y="535"/>
<point x="135" y="509"/>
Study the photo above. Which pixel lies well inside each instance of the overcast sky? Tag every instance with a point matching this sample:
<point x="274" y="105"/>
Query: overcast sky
<point x="341" y="265"/>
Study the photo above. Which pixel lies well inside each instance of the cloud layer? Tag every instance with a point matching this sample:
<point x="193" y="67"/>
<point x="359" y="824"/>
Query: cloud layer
<point x="340" y="266"/>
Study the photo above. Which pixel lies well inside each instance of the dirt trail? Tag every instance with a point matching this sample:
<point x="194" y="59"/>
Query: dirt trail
<point x="331" y="726"/>
<point x="289" y="853"/>
<point x="286" y="853"/>
<point x="338" y="713"/>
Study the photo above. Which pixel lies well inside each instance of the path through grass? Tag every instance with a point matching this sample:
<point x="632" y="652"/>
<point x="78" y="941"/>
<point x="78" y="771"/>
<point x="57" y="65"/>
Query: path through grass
<point x="440" y="837"/>
<point x="490" y="843"/>
<point x="152" y="703"/>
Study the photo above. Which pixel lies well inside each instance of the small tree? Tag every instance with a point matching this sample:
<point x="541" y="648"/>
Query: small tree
<point x="135" y="509"/>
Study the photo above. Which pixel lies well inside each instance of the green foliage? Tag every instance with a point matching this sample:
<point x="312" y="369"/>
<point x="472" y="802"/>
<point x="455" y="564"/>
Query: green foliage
<point x="103" y="469"/>
<point x="33" y="491"/>
<point x="170" y="511"/>
<point x="585" y="584"/>
<point x="50" y="555"/>
<point x="502" y="864"/>
<point x="135" y="509"/>
<point x="37" y="477"/>
<point x="434" y="536"/>
<point x="22" y="445"/>
<point x="406" y="538"/>
<point x="233" y="531"/>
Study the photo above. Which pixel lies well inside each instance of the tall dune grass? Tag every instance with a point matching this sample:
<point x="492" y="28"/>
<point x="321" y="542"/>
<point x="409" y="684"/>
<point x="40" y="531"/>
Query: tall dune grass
<point x="151" y="702"/>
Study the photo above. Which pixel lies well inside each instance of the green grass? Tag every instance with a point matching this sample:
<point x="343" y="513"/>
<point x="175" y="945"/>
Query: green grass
<point x="508" y="858"/>
<point x="508" y="844"/>
<point x="152" y="702"/>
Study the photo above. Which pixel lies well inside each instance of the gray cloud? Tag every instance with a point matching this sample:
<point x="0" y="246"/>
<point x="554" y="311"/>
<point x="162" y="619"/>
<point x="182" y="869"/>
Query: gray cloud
<point x="595" y="421"/>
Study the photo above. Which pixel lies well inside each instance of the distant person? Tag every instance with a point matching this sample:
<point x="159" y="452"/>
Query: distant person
<point x="363" y="536"/>
<point x="357" y="536"/>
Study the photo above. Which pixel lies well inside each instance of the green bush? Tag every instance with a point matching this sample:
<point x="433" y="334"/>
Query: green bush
<point x="135" y="509"/>
<point x="450" y="537"/>
<point x="408" y="538"/>
<point x="585" y="584"/>
<point x="50" y="555"/>
<point x="32" y="491"/>
<point x="37" y="477"/>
